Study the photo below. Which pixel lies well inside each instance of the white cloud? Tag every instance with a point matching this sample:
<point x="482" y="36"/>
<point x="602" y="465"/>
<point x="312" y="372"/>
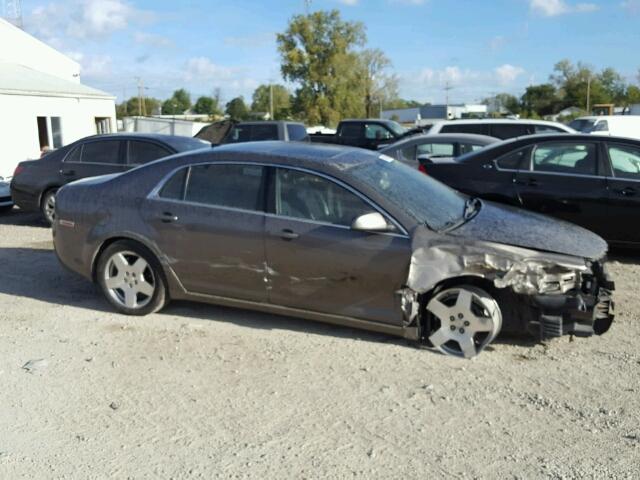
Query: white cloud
<point x="349" y="2"/>
<point x="82" y="19"/>
<point x="507" y="74"/>
<point x="204" y="70"/>
<point x="553" y="8"/>
<point x="152" y="39"/>
<point x="631" y="5"/>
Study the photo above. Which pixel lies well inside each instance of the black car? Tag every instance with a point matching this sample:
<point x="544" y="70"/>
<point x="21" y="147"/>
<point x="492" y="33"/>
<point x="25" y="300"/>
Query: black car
<point x="36" y="182"/>
<point x="588" y="180"/>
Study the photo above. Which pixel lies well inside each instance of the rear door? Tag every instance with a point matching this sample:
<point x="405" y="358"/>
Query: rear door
<point x="318" y="263"/>
<point x="565" y="180"/>
<point x="624" y="192"/>
<point x="208" y="220"/>
<point x="351" y="133"/>
<point x="94" y="158"/>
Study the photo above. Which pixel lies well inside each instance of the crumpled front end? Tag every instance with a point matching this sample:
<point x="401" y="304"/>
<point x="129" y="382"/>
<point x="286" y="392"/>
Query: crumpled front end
<point x="546" y="294"/>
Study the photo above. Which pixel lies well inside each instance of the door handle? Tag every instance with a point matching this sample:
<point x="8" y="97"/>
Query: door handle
<point x="628" y="192"/>
<point x="288" y="234"/>
<point x="68" y="173"/>
<point x="168" y="217"/>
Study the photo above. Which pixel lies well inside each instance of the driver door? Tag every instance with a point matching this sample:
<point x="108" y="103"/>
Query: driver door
<point x="317" y="262"/>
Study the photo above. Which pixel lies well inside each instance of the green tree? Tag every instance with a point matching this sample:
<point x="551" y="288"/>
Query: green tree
<point x="318" y="53"/>
<point x="540" y="100"/>
<point x="237" y="109"/>
<point x="132" y="107"/>
<point x="206" y="106"/>
<point x="281" y="101"/>
<point x="632" y="95"/>
<point x="178" y="104"/>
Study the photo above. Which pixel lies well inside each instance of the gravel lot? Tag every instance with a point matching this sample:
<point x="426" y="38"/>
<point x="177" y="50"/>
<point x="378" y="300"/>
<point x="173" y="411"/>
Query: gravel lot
<point x="199" y="391"/>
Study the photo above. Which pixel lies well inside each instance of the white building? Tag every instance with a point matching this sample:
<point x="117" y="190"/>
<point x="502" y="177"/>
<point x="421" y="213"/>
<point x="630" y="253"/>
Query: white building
<point x="42" y="102"/>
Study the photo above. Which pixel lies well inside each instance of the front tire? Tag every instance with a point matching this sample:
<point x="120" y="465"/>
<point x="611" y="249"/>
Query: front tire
<point x="48" y="206"/>
<point x="466" y="319"/>
<point x="131" y="279"/>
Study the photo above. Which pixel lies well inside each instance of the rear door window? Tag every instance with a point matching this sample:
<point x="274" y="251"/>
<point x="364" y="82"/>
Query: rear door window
<point x="565" y="157"/>
<point x="437" y="149"/>
<point x="75" y="155"/>
<point x="547" y="129"/>
<point x="145" y="152"/>
<point x="297" y="133"/>
<point x="223" y="185"/>
<point x="625" y="161"/>
<point x="174" y="188"/>
<point x="105" y="152"/>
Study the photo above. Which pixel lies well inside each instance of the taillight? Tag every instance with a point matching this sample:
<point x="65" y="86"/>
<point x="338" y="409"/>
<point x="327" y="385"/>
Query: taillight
<point x="423" y="169"/>
<point x="19" y="169"/>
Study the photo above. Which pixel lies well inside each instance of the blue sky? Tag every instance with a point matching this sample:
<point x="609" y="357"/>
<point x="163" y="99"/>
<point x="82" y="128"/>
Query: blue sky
<point x="479" y="47"/>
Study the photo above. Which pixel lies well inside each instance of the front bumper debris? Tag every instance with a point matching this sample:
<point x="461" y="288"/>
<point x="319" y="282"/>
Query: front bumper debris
<point x="583" y="312"/>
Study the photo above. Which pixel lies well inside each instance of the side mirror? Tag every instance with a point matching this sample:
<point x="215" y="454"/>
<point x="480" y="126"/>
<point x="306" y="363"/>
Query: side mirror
<point x="371" y="222"/>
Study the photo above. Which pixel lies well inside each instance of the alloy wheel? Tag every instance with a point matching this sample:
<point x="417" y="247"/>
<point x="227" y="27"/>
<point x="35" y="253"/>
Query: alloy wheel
<point x="129" y="280"/>
<point x="49" y="207"/>
<point x="468" y="319"/>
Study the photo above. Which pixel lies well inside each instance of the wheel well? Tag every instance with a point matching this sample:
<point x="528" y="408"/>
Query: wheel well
<point x="516" y="309"/>
<point x="106" y="244"/>
<point x="45" y="191"/>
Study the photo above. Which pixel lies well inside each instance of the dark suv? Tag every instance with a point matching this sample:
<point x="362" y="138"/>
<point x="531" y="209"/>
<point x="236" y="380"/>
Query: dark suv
<point x="36" y="182"/>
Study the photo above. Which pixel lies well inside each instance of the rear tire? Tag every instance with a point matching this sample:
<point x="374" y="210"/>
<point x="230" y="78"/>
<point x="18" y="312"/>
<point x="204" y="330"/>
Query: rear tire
<point x="48" y="205"/>
<point x="131" y="278"/>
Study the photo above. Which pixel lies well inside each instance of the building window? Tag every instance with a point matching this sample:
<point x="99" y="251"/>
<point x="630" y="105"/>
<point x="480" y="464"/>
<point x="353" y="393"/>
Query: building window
<point x="56" y="132"/>
<point x="49" y="132"/>
<point x="103" y="125"/>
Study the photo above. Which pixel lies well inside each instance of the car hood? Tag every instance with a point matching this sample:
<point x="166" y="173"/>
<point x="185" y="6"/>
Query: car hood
<point x="521" y="228"/>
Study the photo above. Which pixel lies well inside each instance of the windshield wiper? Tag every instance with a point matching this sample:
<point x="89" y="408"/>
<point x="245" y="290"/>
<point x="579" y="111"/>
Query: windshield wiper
<point x="471" y="207"/>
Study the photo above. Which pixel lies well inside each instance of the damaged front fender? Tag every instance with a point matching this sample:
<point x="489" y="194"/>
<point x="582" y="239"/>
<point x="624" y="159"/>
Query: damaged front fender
<point x="436" y="258"/>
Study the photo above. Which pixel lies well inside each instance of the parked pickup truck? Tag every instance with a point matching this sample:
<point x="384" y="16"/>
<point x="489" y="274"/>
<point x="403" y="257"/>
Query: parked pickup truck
<point x="370" y="133"/>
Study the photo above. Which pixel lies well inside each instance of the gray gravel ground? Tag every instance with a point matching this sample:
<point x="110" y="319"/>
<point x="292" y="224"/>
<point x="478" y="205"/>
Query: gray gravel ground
<point x="199" y="391"/>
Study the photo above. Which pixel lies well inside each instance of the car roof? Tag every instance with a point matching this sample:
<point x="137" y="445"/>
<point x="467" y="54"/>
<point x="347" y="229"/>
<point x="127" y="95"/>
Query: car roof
<point x="178" y="143"/>
<point x="500" y="120"/>
<point x="444" y="137"/>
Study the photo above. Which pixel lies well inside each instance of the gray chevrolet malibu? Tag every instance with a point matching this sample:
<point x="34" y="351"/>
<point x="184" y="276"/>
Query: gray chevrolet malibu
<point x="339" y="235"/>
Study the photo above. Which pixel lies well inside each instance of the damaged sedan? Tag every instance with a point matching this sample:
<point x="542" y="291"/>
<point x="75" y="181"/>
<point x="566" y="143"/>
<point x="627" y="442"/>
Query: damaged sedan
<point x="332" y="234"/>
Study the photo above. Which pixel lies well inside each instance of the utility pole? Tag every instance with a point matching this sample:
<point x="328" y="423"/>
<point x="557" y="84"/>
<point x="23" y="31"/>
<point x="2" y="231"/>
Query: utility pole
<point x="589" y="95"/>
<point x="447" y="89"/>
<point x="142" y="108"/>
<point x="307" y="6"/>
<point x="270" y="100"/>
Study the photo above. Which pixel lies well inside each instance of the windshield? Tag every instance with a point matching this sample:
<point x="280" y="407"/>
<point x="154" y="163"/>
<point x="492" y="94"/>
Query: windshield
<point x="396" y="128"/>
<point x="583" y="125"/>
<point x="423" y="198"/>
